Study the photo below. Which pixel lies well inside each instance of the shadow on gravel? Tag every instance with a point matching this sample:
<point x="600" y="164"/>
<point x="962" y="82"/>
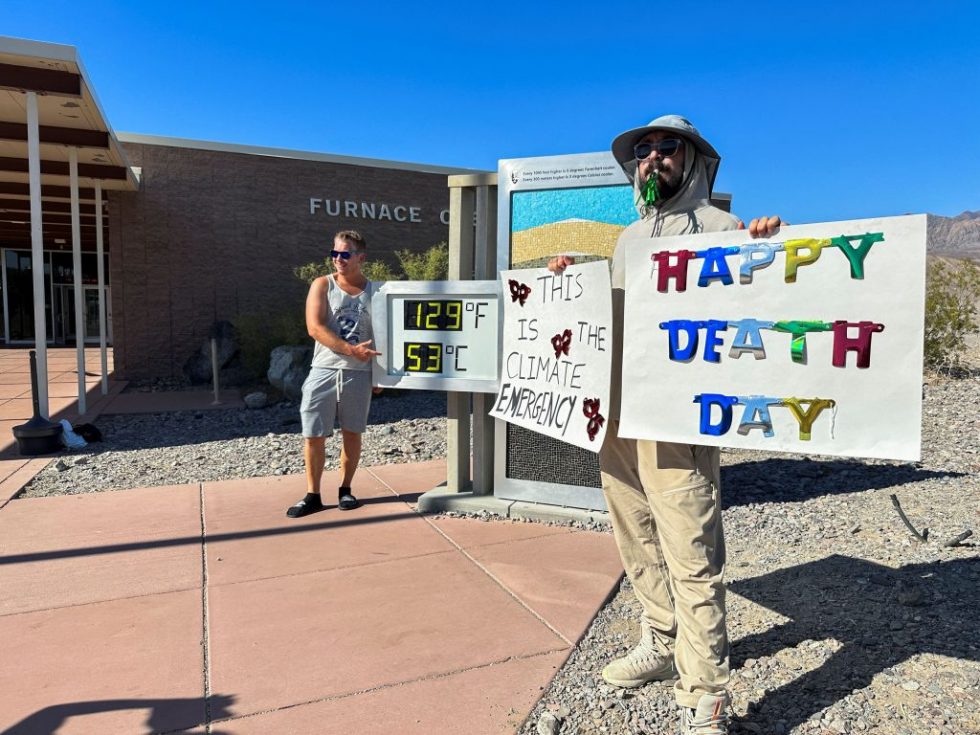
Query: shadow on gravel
<point x="880" y="616"/>
<point x="166" y="715"/>
<point x="784" y="479"/>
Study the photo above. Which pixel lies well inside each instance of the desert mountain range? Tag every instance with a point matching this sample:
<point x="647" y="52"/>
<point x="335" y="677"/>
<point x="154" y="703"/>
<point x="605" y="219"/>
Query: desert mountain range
<point x="954" y="237"/>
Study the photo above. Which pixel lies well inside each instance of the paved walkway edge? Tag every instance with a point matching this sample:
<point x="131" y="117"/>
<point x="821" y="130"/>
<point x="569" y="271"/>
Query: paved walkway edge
<point x="441" y="500"/>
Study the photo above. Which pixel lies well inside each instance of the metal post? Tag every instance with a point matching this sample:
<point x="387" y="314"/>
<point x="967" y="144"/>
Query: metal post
<point x="37" y="253"/>
<point x="100" y="270"/>
<point x="485" y="267"/>
<point x="214" y="370"/>
<point x="76" y="259"/>
<point x="461" y="207"/>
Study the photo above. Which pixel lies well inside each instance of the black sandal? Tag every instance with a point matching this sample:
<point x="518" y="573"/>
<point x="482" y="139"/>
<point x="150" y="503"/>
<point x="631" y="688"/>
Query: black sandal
<point x="346" y="499"/>
<point x="309" y="504"/>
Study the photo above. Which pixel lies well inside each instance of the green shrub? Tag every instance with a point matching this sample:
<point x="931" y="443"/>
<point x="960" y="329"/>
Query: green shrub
<point x="259" y="334"/>
<point x="431" y="265"/>
<point x="375" y="270"/>
<point x="309" y="272"/>
<point x="952" y="298"/>
<point x="378" y="270"/>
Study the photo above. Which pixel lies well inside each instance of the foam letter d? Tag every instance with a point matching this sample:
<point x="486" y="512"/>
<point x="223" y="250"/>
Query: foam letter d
<point x="725" y="403"/>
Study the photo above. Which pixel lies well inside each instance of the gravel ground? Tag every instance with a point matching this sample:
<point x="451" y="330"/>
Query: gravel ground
<point x="840" y="621"/>
<point x="146" y="450"/>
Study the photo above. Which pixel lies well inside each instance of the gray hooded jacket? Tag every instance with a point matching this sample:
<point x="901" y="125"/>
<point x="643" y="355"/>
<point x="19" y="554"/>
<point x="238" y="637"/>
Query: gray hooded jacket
<point x="688" y="212"/>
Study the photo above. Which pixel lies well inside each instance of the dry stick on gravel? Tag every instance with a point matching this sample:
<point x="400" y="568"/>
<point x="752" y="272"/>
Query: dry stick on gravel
<point x="958" y="538"/>
<point x="901" y="514"/>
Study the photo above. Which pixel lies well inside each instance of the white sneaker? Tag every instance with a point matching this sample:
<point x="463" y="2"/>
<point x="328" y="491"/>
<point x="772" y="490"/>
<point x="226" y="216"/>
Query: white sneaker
<point x="646" y="662"/>
<point x="710" y="717"/>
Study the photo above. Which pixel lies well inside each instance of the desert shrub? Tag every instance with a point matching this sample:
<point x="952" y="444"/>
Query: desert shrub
<point x="259" y="334"/>
<point x="375" y="270"/>
<point x="309" y="272"/>
<point x="378" y="270"/>
<point x="430" y="265"/>
<point x="952" y="298"/>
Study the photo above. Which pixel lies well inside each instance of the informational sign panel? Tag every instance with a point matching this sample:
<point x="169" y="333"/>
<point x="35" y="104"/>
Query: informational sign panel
<point x="437" y="335"/>
<point x="557" y="345"/>
<point x="807" y="342"/>
<point x="576" y="205"/>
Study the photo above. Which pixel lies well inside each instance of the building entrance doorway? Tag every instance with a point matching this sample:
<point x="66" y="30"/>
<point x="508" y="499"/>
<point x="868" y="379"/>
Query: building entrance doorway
<point x="65" y="324"/>
<point x="17" y="299"/>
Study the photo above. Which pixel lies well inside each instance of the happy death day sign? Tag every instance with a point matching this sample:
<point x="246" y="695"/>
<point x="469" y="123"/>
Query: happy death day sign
<point x="557" y="343"/>
<point x="810" y="341"/>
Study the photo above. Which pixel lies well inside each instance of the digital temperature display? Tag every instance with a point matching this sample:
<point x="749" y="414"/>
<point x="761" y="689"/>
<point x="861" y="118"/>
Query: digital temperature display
<point x="437" y="335"/>
<point x="434" y="316"/>
<point x="423" y="357"/>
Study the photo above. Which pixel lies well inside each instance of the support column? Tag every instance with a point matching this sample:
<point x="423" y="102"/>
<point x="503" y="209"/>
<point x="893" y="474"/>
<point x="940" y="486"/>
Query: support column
<point x="37" y="253"/>
<point x="461" y="210"/>
<point x="101" y="274"/>
<point x="76" y="259"/>
<point x="485" y="269"/>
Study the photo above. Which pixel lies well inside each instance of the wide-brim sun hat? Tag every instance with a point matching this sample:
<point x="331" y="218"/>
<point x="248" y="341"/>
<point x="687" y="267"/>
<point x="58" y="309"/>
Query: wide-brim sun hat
<point x="622" y="145"/>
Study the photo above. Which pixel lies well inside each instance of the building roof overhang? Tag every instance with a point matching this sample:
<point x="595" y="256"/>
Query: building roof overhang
<point x="69" y="116"/>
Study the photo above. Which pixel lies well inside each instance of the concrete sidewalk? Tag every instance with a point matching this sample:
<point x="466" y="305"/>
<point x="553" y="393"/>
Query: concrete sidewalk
<point x="202" y="608"/>
<point x="16" y="404"/>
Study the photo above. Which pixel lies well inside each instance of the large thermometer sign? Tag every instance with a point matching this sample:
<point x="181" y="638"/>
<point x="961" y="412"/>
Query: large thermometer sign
<point x="437" y="335"/>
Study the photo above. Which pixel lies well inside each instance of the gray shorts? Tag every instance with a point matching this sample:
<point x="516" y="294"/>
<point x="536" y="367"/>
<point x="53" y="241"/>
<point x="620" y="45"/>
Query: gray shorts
<point x="329" y="394"/>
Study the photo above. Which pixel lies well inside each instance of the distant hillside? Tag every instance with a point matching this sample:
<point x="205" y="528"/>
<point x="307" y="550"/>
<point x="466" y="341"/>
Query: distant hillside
<point x="956" y="237"/>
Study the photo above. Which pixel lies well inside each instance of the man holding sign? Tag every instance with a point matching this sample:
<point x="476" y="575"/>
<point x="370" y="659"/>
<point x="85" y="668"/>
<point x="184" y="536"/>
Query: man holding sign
<point x="663" y="498"/>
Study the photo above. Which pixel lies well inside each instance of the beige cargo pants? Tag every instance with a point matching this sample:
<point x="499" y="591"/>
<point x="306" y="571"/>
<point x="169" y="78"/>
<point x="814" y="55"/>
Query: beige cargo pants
<point x="665" y="505"/>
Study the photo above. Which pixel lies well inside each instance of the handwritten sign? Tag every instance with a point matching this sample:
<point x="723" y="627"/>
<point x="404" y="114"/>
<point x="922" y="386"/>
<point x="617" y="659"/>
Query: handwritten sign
<point x="557" y="343"/>
<point x="808" y="342"/>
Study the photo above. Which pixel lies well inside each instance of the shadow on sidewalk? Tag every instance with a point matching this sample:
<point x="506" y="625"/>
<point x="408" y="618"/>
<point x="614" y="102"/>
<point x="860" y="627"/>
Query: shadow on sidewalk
<point x="880" y="617"/>
<point x="300" y="527"/>
<point x="166" y="715"/>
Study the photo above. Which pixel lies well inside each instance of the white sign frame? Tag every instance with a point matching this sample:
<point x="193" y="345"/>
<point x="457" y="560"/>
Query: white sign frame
<point x="598" y="169"/>
<point x="384" y="372"/>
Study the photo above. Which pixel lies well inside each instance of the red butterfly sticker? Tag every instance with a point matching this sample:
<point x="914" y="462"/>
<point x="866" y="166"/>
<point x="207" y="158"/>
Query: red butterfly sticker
<point x="561" y="342"/>
<point x="518" y="291"/>
<point x="590" y="407"/>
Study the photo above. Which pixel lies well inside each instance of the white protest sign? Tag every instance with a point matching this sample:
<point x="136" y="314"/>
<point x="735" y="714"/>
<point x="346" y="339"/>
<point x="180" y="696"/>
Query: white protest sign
<point x="810" y="341"/>
<point x="557" y="343"/>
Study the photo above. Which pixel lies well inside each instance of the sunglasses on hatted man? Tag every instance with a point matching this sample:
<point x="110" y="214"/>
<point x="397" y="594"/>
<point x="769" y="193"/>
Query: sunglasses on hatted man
<point x="667" y="147"/>
<point x="342" y="254"/>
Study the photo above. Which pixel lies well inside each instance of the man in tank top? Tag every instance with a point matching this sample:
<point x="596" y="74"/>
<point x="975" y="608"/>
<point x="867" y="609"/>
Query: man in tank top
<point x="338" y="318"/>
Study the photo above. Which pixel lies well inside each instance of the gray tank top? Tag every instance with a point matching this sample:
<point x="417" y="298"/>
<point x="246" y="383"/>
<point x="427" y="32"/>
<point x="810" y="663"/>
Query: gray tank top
<point x="349" y="319"/>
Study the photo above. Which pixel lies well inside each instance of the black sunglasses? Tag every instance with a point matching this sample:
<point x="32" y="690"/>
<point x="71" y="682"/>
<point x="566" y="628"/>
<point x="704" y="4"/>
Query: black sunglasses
<point x="666" y="147"/>
<point x="342" y="254"/>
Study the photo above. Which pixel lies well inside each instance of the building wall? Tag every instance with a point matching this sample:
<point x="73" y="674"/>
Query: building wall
<point x="213" y="235"/>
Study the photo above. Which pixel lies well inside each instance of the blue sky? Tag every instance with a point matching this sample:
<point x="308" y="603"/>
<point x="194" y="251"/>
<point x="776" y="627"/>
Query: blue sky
<point x="831" y="110"/>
